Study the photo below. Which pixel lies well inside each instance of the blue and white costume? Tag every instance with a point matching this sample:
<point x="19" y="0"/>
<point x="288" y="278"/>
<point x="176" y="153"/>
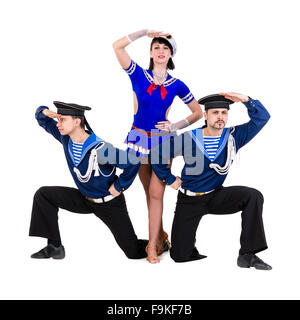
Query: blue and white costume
<point x="92" y="178"/>
<point x="213" y="172"/>
<point x="93" y="168"/>
<point x="202" y="191"/>
<point x="153" y="103"/>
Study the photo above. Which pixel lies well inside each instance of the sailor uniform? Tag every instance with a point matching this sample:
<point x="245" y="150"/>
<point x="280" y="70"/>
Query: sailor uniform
<point x="206" y="186"/>
<point x="93" y="181"/>
<point x="153" y="103"/>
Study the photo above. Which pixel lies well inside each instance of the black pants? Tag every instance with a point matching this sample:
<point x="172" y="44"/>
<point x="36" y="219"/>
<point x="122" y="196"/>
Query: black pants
<point x="44" y="219"/>
<point x="225" y="200"/>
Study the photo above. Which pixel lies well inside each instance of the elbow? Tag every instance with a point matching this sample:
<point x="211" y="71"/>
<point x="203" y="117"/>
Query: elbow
<point x="198" y="115"/>
<point x="115" y="46"/>
<point x="197" y="112"/>
<point x="266" y="119"/>
<point x="268" y="116"/>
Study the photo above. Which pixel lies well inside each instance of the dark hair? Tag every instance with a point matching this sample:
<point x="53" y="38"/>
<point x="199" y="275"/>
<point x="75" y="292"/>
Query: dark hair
<point x="170" y="64"/>
<point x="81" y="120"/>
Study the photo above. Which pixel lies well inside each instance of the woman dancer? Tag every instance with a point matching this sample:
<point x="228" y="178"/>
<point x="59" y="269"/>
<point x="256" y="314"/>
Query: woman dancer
<point x="154" y="91"/>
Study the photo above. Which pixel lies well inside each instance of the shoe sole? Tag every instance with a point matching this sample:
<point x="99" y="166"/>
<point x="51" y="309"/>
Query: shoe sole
<point x="58" y="257"/>
<point x="241" y="265"/>
<point x="264" y="269"/>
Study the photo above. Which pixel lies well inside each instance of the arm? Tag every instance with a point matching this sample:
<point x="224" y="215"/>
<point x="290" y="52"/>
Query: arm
<point x="258" y="114"/>
<point x="45" y="119"/>
<point x="121" y="159"/>
<point x="187" y="97"/>
<point x="166" y="152"/>
<point x="195" y="116"/>
<point x="164" y="173"/>
<point x="122" y="55"/>
<point x="120" y="45"/>
<point x="130" y="170"/>
<point x="196" y="112"/>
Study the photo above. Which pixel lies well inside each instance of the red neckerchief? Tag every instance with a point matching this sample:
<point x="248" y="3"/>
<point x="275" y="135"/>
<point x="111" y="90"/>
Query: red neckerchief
<point x="153" y="86"/>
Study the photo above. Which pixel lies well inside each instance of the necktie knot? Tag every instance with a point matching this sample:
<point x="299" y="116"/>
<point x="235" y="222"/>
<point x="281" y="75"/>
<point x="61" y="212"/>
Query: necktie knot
<point x="153" y="86"/>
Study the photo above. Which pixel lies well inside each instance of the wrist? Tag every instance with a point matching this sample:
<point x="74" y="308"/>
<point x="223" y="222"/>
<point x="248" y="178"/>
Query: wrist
<point x="136" y="35"/>
<point x="249" y="103"/>
<point x="116" y="185"/>
<point x="178" y="125"/>
<point x="45" y="112"/>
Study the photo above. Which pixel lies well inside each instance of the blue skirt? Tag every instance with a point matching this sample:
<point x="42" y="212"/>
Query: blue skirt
<point x="140" y="142"/>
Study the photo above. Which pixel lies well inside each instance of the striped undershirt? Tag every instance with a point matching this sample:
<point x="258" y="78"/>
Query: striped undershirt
<point x="211" y="145"/>
<point x="77" y="151"/>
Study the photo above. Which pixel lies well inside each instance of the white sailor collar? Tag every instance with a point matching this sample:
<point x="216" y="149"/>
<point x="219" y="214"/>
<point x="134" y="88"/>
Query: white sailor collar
<point x="89" y="143"/>
<point x="197" y="136"/>
<point x="167" y="82"/>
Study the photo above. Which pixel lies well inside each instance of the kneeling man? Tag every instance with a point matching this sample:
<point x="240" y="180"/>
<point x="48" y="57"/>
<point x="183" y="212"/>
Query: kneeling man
<point x="203" y="193"/>
<point x="92" y="163"/>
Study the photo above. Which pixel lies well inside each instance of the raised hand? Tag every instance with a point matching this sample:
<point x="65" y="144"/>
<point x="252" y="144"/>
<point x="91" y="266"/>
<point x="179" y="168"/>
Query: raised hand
<point x="156" y="34"/>
<point x="234" y="96"/>
<point x="50" y="114"/>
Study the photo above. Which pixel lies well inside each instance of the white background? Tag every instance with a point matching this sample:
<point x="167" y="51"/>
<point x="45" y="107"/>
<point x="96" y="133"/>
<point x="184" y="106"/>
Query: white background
<point x="62" y="50"/>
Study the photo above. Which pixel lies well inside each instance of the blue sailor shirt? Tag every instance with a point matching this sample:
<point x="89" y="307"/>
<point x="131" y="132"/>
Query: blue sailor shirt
<point x="109" y="158"/>
<point x="199" y="176"/>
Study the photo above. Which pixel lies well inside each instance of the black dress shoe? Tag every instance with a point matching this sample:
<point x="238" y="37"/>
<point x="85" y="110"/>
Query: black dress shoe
<point x="251" y="260"/>
<point x="50" y="252"/>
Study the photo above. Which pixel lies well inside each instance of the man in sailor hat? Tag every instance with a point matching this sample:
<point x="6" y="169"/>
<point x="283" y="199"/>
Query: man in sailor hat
<point x="92" y="163"/>
<point x="202" y="192"/>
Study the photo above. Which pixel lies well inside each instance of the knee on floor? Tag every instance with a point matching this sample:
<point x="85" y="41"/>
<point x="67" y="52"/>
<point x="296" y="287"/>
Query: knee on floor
<point x="179" y="255"/>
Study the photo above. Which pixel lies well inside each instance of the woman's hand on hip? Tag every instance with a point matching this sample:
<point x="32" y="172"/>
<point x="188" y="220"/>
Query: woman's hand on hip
<point x="163" y="125"/>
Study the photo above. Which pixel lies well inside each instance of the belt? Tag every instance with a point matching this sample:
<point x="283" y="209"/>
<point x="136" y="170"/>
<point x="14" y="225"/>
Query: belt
<point x="191" y="193"/>
<point x="138" y="148"/>
<point x="150" y="133"/>
<point x="102" y="199"/>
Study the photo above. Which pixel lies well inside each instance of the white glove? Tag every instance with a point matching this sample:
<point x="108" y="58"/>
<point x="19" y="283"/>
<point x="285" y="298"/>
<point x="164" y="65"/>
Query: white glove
<point x="138" y="34"/>
<point x="178" y="125"/>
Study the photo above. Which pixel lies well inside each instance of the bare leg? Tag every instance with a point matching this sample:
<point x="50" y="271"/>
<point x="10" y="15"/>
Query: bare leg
<point x="157" y="236"/>
<point x="145" y="173"/>
<point x="154" y="190"/>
